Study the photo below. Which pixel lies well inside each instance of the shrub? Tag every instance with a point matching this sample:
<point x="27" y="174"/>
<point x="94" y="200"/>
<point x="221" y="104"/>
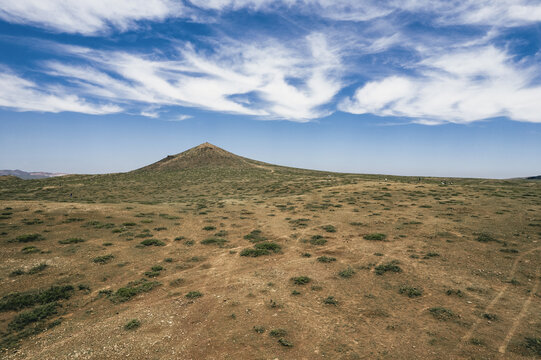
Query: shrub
<point x="132" y="289"/>
<point x="38" y="268"/>
<point x="285" y="342"/>
<point x="306" y="255"/>
<point x="17" y="301"/>
<point x="375" y="237"/>
<point x="30" y="250"/>
<point x="17" y="272"/>
<point x="390" y="266"/>
<point x="209" y="228"/>
<point x="259" y="329"/>
<point x="441" y="313"/>
<point x="329" y="228"/>
<point x="410" y="291"/>
<point x="30" y="238"/>
<point x="347" y="273"/>
<point x="104" y="259"/>
<point x="152" y="242"/>
<point x="326" y="259"/>
<point x="39" y="313"/>
<point x="255" y="236"/>
<point x="318" y="240"/>
<point x="278" y="332"/>
<point x="533" y="344"/>
<point x="330" y="301"/>
<point x="485" y="237"/>
<point x="194" y="295"/>
<point x="490" y="317"/>
<point x="71" y="241"/>
<point x="268" y="246"/>
<point x="455" y="292"/>
<point x="129" y="224"/>
<point x="214" y="241"/>
<point x="301" y="280"/>
<point x="132" y="324"/>
<point x="254" y="252"/>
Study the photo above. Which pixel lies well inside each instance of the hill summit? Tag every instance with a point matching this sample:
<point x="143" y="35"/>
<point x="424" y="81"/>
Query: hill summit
<point x="205" y="155"/>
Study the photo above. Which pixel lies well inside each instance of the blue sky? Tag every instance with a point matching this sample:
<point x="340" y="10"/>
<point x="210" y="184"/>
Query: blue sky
<point x="413" y="87"/>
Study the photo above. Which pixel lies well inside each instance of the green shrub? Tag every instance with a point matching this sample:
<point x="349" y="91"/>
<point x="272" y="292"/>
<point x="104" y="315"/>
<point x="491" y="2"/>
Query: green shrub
<point x="38" y="268"/>
<point x="318" y="240"/>
<point x="30" y="250"/>
<point x="278" y="332"/>
<point x="214" y="241"/>
<point x="29" y="238"/>
<point x="152" y="242"/>
<point x="17" y="301"/>
<point x="259" y="329"/>
<point x="329" y="228"/>
<point x="129" y="224"/>
<point x="410" y="291"/>
<point x="347" y="273"/>
<point x="330" y="301"/>
<point x="441" y="313"/>
<point x="132" y="324"/>
<point x="254" y="252"/>
<point x="268" y="246"/>
<point x="301" y="280"/>
<point x="285" y="342"/>
<point x="71" y="241"/>
<point x="194" y="295"/>
<point x="132" y="289"/>
<point x="326" y="259"/>
<point x="390" y="266"/>
<point x="209" y="228"/>
<point x="533" y="344"/>
<point x="485" y="237"/>
<point x="255" y="236"/>
<point x="17" y="272"/>
<point x="455" y="292"/>
<point x="104" y="259"/>
<point x="37" y="314"/>
<point x="375" y="237"/>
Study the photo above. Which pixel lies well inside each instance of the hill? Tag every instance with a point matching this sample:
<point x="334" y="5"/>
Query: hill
<point x="29" y="175"/>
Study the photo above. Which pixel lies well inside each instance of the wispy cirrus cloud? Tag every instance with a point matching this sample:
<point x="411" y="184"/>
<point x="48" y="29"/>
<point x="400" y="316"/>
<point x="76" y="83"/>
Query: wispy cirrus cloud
<point x="23" y="95"/>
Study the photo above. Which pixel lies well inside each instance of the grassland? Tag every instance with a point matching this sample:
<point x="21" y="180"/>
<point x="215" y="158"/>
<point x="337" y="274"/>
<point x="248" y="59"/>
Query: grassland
<point x="148" y="265"/>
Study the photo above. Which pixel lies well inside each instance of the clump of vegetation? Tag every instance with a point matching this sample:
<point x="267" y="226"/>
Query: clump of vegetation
<point x="490" y="317"/>
<point x="259" y="329"/>
<point x="209" y="228"/>
<point x="410" y="291"/>
<point x="255" y="236"/>
<point x="326" y="259"/>
<point x="306" y="255"/>
<point x="17" y="272"/>
<point x="21" y="300"/>
<point x="533" y="345"/>
<point x="152" y="242"/>
<point x="132" y="289"/>
<point x="154" y="271"/>
<point x="318" y="240"/>
<point x="391" y="266"/>
<point x="71" y="241"/>
<point x="329" y="228"/>
<point x="214" y="241"/>
<point x="30" y="250"/>
<point x="38" y="268"/>
<point x="104" y="259"/>
<point x="194" y="295"/>
<point x="346" y="273"/>
<point x="485" y="237"/>
<point x="330" y="300"/>
<point x="375" y="237"/>
<point x="441" y="313"/>
<point x="29" y="238"/>
<point x="299" y="222"/>
<point x="278" y="332"/>
<point x="301" y="280"/>
<point x="37" y="314"/>
<point x="454" y="292"/>
<point x="260" y="249"/>
<point x="285" y="342"/>
<point x="132" y="324"/>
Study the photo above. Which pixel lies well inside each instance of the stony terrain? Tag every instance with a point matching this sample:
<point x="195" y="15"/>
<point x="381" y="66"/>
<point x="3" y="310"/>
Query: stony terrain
<point x="206" y="255"/>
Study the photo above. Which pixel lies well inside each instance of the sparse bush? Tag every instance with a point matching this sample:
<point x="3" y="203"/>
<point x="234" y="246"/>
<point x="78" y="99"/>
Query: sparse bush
<point x="254" y="252"/>
<point x="30" y="250"/>
<point x="285" y="342"/>
<point x="132" y="324"/>
<point x="301" y="280"/>
<point x="410" y="291"/>
<point x="214" y="241"/>
<point x="278" y="332"/>
<point x="326" y="259"/>
<point x="132" y="289"/>
<point x="259" y="329"/>
<point x="455" y="292"/>
<point x="375" y="237"/>
<point x="318" y="240"/>
<point x="17" y="301"/>
<point x="268" y="246"/>
<point x="194" y="295"/>
<point x="70" y="241"/>
<point x="17" y="272"/>
<point x="152" y="242"/>
<point x="347" y="273"/>
<point x="533" y="345"/>
<point x="255" y="236"/>
<point x="329" y="228"/>
<point x="37" y="314"/>
<point x="390" y="266"/>
<point x="209" y="228"/>
<point x="485" y="237"/>
<point x="490" y="317"/>
<point x="38" y="268"/>
<point x="104" y="259"/>
<point x="29" y="238"/>
<point x="441" y="313"/>
<point x="330" y="301"/>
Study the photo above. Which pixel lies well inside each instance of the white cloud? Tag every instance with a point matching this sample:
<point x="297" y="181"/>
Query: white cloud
<point x="460" y="87"/>
<point x="23" y="95"/>
<point x="267" y="80"/>
<point x="87" y="16"/>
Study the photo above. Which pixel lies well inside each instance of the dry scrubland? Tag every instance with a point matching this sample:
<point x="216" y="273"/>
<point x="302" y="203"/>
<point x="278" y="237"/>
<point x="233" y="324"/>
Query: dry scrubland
<point x="196" y="257"/>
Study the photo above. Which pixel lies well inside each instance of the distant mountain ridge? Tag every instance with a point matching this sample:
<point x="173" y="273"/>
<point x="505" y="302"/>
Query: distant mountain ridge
<point x="29" y="175"/>
<point x="538" y="177"/>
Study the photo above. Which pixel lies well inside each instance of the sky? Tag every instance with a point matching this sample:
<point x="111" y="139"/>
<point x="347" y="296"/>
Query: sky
<point x="411" y="87"/>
